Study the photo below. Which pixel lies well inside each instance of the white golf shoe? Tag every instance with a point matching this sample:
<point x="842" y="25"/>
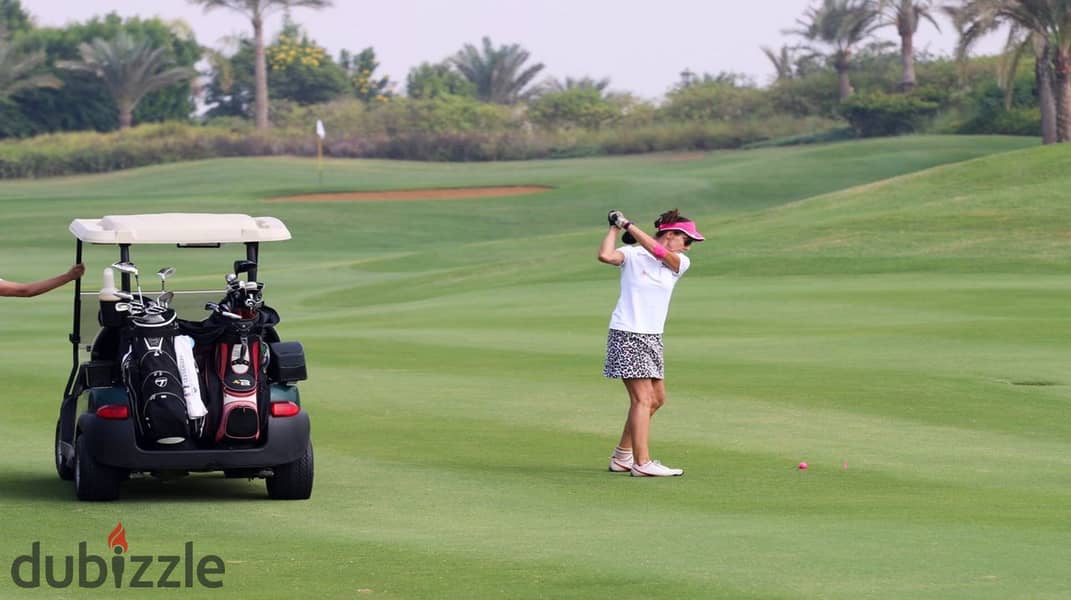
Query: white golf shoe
<point x="654" y="468"/>
<point x="620" y="465"/>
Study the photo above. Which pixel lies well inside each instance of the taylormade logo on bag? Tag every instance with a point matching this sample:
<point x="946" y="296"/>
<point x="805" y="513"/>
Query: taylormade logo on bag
<point x="134" y="571"/>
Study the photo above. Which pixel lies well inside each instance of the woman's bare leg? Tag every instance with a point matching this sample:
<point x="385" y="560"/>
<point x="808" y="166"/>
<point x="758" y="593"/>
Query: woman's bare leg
<point x="659" y="398"/>
<point x="642" y="399"/>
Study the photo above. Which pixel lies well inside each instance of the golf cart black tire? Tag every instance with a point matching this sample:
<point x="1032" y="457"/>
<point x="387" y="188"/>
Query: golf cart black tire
<point x="293" y="481"/>
<point x="92" y="480"/>
<point x="64" y="470"/>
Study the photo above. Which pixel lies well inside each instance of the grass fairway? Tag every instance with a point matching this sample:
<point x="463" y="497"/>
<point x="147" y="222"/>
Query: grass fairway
<point x="893" y="312"/>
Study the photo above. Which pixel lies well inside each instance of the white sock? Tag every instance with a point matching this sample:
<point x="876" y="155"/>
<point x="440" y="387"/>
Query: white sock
<point x="620" y="452"/>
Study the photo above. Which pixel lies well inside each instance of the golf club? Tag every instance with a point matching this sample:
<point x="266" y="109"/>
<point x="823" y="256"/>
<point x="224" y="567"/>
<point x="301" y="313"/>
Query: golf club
<point x="163" y="274"/>
<point x="129" y="268"/>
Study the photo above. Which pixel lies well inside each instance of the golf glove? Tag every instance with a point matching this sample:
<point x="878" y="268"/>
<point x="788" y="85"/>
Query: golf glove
<point x="617" y="219"/>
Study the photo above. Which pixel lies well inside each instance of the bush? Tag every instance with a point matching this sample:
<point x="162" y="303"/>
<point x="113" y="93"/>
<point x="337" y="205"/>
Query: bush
<point x="445" y="114"/>
<point x="13" y="124"/>
<point x="470" y="131"/>
<point x="814" y="95"/>
<point x="583" y="108"/>
<point x="881" y="114"/>
<point x="715" y="101"/>
<point x="69" y="153"/>
<point x="396" y="116"/>
<point x="988" y="114"/>
<point x="1017" y="121"/>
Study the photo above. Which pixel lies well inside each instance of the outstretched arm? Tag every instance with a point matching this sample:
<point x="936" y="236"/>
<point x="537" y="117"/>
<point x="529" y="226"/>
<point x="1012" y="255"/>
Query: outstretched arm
<point x="670" y="259"/>
<point x="27" y="290"/>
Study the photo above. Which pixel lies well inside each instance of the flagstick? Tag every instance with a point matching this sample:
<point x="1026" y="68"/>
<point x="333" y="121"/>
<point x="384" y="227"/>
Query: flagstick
<point x="320" y="160"/>
<point x="320" y="134"/>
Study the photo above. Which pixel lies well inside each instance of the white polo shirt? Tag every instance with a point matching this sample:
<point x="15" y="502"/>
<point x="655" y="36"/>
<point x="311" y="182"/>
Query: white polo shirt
<point x="646" y="287"/>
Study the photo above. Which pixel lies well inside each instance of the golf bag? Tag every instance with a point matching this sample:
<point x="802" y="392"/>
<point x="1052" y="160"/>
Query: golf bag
<point x="240" y="363"/>
<point x="153" y="380"/>
<point x="236" y="381"/>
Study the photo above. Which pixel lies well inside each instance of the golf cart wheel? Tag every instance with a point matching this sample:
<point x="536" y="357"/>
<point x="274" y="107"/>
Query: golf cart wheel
<point x="92" y="480"/>
<point x="292" y="481"/>
<point x="63" y="468"/>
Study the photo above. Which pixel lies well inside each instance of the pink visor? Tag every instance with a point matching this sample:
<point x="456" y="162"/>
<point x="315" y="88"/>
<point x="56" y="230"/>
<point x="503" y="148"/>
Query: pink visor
<point x="685" y="227"/>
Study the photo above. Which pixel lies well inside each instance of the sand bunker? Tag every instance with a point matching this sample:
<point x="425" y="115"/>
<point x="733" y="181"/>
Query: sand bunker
<point x="430" y="194"/>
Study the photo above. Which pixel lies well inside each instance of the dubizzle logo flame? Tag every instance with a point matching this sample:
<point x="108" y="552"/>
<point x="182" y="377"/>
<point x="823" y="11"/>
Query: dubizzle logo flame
<point x="118" y="538"/>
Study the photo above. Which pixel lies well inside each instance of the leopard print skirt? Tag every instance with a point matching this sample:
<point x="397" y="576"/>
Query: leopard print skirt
<point x="633" y="355"/>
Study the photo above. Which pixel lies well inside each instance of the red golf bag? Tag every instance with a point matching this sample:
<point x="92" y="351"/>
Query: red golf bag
<point x="235" y="355"/>
<point x="241" y="362"/>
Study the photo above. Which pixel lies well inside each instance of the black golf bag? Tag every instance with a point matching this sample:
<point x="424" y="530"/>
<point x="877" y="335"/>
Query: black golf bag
<point x="153" y="381"/>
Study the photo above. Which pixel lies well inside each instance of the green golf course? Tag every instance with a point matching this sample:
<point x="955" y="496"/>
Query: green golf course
<point x="894" y="312"/>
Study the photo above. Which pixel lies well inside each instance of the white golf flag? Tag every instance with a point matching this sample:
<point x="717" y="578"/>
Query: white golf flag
<point x="320" y="129"/>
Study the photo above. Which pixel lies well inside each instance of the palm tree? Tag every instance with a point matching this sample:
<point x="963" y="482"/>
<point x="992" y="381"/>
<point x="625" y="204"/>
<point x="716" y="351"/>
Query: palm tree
<point x="906" y="15"/>
<point x="1046" y="26"/>
<point x="13" y="17"/>
<point x="581" y="83"/>
<point x="20" y="71"/>
<point x="497" y="73"/>
<point x="783" y="61"/>
<point x="552" y="85"/>
<point x="839" y="25"/>
<point x="1018" y="43"/>
<point x="256" y="11"/>
<point x="130" y="69"/>
<point x="1044" y="76"/>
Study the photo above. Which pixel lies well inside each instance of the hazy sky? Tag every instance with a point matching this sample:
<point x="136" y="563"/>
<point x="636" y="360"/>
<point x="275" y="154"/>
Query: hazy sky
<point x="641" y="45"/>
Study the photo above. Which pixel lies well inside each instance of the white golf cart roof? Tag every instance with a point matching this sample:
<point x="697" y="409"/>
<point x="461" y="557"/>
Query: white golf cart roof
<point x="179" y="228"/>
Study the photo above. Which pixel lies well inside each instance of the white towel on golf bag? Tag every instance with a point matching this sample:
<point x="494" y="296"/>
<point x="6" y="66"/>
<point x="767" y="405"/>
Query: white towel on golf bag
<point x="195" y="407"/>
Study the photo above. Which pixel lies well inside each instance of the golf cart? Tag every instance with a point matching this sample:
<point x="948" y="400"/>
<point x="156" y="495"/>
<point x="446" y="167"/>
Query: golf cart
<point x="170" y="382"/>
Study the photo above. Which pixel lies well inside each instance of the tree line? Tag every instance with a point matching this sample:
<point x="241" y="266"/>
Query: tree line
<point x="109" y="73"/>
<point x="1040" y="28"/>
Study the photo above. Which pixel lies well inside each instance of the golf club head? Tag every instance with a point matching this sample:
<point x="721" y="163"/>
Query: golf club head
<point x="126" y="267"/>
<point x="244" y="266"/>
<point x="164" y="274"/>
<point x="164" y="299"/>
<point x="157" y="309"/>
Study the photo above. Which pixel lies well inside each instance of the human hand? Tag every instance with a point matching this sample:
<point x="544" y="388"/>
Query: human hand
<point x="617" y="219"/>
<point x="76" y="272"/>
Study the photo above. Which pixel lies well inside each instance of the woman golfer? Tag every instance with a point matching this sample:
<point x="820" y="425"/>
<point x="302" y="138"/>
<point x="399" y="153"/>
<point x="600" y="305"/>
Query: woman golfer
<point x="634" y="346"/>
